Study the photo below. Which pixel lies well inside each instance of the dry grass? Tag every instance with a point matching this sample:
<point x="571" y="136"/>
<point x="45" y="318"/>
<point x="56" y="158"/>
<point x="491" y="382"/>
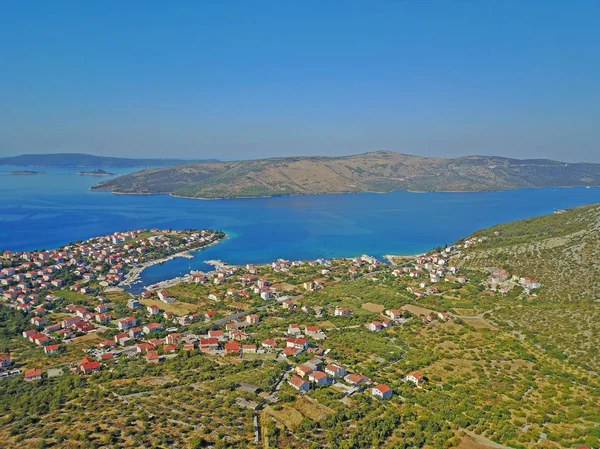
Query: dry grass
<point x="478" y="323"/>
<point x="416" y="310"/>
<point x="290" y="417"/>
<point x="372" y="307"/>
<point x="311" y="409"/>
<point x="178" y="308"/>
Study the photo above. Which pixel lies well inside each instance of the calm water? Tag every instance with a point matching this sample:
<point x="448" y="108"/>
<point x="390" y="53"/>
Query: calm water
<point x="46" y="211"/>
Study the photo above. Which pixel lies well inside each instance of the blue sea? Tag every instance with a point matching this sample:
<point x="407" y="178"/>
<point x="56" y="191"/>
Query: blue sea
<point x="49" y="210"/>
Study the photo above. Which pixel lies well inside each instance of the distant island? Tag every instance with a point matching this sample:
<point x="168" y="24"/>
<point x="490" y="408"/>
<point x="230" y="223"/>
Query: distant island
<point x="89" y="160"/>
<point x="97" y="172"/>
<point x="381" y="171"/>
<point x="26" y="172"/>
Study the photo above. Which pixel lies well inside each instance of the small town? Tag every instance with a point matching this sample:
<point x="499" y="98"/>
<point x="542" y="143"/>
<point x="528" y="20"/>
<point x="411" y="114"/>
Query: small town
<point x="76" y="318"/>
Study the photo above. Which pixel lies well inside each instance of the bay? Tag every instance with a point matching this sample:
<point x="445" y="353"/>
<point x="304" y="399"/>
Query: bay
<point x="49" y="210"/>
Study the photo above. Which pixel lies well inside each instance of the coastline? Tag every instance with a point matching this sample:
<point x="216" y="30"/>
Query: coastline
<point x="339" y="193"/>
<point x="134" y="274"/>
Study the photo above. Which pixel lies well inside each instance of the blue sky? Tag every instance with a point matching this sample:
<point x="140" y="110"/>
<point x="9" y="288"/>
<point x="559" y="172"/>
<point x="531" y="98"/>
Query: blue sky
<point x="270" y="78"/>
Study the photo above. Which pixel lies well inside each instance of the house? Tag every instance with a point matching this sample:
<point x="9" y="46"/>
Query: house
<point x="40" y="339"/>
<point x="319" y="378"/>
<point x="170" y="348"/>
<point x="153" y="310"/>
<point x="232" y="347"/>
<point x="395" y="314"/>
<point x="291" y="351"/>
<point x="237" y="334"/>
<point x="210" y="314"/>
<point x="122" y="339"/>
<point x="355" y="379"/>
<point x="314" y="332"/>
<point x="33" y="374"/>
<point x="101" y="308"/>
<point x="173" y="339"/>
<point x="269" y="343"/>
<point x="163" y="295"/>
<point x="30" y="333"/>
<point x="144" y="347"/>
<point x="315" y="363"/>
<point x="249" y="349"/>
<point x="252" y="318"/>
<point x="209" y="344"/>
<point x="136" y="332"/>
<point x="90" y="367"/>
<point x="297" y="342"/>
<point x="152" y="327"/>
<point x="39" y="321"/>
<point x="382" y="391"/>
<point x="127" y="323"/>
<point x="342" y="311"/>
<point x="415" y="377"/>
<point x="294" y="329"/>
<point x="4" y="361"/>
<point x="51" y="329"/>
<point x="335" y="371"/>
<point x="133" y="304"/>
<point x="51" y="349"/>
<point x="375" y="326"/>
<point x="304" y="369"/>
<point x="107" y="344"/>
<point x="103" y="318"/>
<point x="218" y="334"/>
<point x="299" y="384"/>
<point x="153" y="357"/>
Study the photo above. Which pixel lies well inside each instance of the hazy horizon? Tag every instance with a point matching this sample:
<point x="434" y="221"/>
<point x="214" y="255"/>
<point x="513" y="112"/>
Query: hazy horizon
<point x="248" y="81"/>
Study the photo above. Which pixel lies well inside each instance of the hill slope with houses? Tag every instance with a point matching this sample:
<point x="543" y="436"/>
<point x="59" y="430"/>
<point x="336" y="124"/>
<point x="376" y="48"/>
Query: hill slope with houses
<point x="561" y="253"/>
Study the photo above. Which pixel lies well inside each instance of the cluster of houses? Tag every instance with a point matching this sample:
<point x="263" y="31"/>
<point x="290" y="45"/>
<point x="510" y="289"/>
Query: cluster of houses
<point x="501" y="281"/>
<point x="80" y="322"/>
<point x="315" y="373"/>
<point x="25" y="275"/>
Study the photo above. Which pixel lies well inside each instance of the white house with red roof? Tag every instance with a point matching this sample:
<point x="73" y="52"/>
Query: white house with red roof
<point x="152" y="327"/>
<point x="90" y="367"/>
<point x="33" y="374"/>
<point x="297" y="342"/>
<point x="415" y="377"/>
<point x="319" y="378"/>
<point x="299" y="384"/>
<point x="335" y="371"/>
<point x="382" y="391"/>
<point x="269" y="343"/>
<point x="127" y="323"/>
<point x="51" y="349"/>
<point x="355" y="379"/>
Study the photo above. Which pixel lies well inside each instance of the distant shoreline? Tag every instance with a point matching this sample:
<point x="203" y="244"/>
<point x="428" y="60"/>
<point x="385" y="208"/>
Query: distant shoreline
<point x="26" y="172"/>
<point x="333" y="193"/>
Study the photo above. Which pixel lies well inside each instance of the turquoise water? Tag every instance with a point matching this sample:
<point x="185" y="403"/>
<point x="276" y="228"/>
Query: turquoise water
<point x="46" y="211"/>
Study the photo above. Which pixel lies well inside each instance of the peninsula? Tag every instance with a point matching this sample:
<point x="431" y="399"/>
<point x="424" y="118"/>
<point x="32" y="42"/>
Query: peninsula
<point x="26" y="172"/>
<point x="381" y="171"/>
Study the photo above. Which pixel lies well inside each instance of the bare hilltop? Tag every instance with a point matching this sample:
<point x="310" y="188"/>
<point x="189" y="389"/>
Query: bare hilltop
<point x="381" y="171"/>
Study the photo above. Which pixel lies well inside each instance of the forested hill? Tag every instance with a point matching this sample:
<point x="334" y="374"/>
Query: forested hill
<point x="381" y="171"/>
<point x="562" y="252"/>
<point x="88" y="160"/>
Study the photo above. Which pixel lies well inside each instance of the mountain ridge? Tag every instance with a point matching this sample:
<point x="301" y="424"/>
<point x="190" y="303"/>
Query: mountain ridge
<point x="380" y="171"/>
